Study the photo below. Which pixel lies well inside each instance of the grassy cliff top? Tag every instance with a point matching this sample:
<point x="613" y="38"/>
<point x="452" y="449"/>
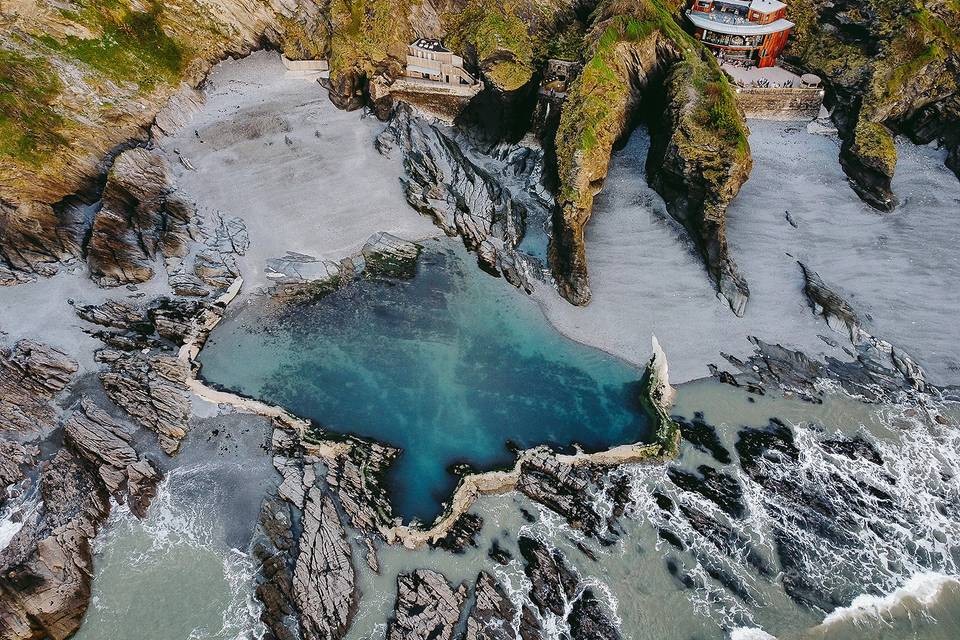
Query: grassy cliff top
<point x="596" y="108"/>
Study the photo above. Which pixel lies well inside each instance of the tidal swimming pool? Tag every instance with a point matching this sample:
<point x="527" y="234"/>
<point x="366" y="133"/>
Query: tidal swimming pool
<point x="452" y="366"/>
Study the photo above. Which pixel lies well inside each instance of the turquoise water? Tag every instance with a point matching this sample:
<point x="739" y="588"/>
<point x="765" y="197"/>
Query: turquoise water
<point x="452" y="366"/>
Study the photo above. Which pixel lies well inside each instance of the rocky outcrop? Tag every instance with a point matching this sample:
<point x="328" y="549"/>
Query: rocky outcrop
<point x="491" y="616"/>
<point x="427" y="607"/>
<point x="560" y="487"/>
<point x="841" y="316"/>
<point x="838" y="313"/>
<point x="273" y="547"/>
<point x="553" y="583"/>
<point x="97" y="438"/>
<point x="31" y="374"/>
<point x="323" y="577"/>
<point x="356" y="477"/>
<point x="140" y="219"/>
<point x="461" y="197"/>
<point x="35" y="240"/>
<point x="46" y="569"/>
<point x="889" y="68"/>
<point x="699" y="155"/>
<point x="590" y="621"/>
<point x="557" y="590"/>
<point x="698" y="173"/>
<point x="152" y="389"/>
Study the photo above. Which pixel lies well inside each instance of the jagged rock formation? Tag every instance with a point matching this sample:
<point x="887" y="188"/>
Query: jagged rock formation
<point x="890" y="68"/>
<point x="838" y="313"/>
<point x="98" y="439"/>
<point x="699" y="154"/>
<point x="34" y="240"/>
<point x="556" y="589"/>
<point x="841" y="316"/>
<point x="427" y="607"/>
<point x="492" y="614"/>
<point x="152" y="390"/>
<point x="140" y="217"/>
<point x="560" y="487"/>
<point x="323" y="577"/>
<point x="46" y="569"/>
<point x="461" y="197"/>
<point x="357" y="480"/>
<point x="306" y="579"/>
<point x="31" y="374"/>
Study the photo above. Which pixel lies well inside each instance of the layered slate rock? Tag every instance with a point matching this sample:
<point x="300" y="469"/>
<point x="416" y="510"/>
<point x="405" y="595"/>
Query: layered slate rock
<point x="491" y="616"/>
<point x="427" y="607"/>
<point x="152" y="389"/>
<point x="461" y="197"/>
<point x="140" y="218"/>
<point x="323" y="577"/>
<point x="31" y="374"/>
<point x="96" y="437"/>
<point x="557" y="590"/>
<point x="356" y="478"/>
<point x="561" y="487"/>
<point x="45" y="571"/>
<point x="34" y="240"/>
<point x="552" y="581"/>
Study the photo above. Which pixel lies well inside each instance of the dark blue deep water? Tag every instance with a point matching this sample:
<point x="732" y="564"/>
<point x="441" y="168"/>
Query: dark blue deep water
<point x="450" y="366"/>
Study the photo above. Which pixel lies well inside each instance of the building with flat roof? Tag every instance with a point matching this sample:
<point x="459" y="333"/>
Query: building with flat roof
<point x="748" y="31"/>
<point x="428" y="59"/>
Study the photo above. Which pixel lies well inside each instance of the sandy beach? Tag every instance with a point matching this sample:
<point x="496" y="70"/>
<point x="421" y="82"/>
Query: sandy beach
<point x="269" y="147"/>
<point x="899" y="270"/>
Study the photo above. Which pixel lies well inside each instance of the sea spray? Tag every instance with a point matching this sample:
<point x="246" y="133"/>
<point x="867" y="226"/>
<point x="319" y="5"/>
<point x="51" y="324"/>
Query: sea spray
<point x="176" y="558"/>
<point x="921" y="590"/>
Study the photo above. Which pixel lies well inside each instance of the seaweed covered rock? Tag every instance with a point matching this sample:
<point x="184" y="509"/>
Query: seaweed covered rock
<point x="890" y="68"/>
<point x="699" y="154"/>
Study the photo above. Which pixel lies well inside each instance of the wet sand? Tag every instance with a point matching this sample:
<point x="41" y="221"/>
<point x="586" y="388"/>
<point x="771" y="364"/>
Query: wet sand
<point x="899" y="270"/>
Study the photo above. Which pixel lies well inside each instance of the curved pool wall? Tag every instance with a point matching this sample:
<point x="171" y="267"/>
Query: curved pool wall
<point x="451" y="366"/>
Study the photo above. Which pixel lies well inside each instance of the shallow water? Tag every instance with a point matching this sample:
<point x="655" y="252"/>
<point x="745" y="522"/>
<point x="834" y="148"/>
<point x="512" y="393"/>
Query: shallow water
<point x="449" y="366"/>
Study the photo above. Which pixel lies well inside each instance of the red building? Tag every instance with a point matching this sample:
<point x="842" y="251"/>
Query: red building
<point x="747" y="30"/>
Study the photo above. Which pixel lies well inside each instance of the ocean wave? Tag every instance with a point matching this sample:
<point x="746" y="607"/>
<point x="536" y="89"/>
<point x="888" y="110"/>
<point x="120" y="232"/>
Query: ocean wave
<point x="922" y="590"/>
<point x="750" y="633"/>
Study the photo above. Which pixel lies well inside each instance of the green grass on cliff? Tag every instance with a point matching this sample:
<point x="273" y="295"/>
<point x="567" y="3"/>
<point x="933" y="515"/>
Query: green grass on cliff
<point x="496" y="31"/>
<point x="29" y="124"/>
<point x="366" y="32"/>
<point x="131" y="45"/>
<point x="595" y="108"/>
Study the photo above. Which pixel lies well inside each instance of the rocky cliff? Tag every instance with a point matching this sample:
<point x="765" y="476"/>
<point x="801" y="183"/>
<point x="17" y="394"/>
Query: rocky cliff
<point x="890" y="68"/>
<point x="638" y="57"/>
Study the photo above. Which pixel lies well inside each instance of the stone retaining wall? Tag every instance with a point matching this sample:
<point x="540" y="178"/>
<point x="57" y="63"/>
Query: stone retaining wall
<point x="780" y="104"/>
<point x="305" y="65"/>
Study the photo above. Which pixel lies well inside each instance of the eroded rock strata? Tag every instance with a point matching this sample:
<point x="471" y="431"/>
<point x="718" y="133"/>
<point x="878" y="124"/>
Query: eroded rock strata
<point x="140" y="218"/>
<point x="427" y="606"/>
<point x="462" y="198"/>
<point x="46" y="569"/>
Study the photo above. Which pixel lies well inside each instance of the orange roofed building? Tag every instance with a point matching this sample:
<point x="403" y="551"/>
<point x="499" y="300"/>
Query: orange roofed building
<point x="751" y="31"/>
